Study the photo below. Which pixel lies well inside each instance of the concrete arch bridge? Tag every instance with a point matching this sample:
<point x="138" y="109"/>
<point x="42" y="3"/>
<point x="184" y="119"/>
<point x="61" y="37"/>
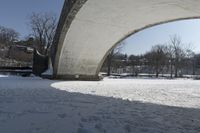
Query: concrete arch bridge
<point x="89" y="29"/>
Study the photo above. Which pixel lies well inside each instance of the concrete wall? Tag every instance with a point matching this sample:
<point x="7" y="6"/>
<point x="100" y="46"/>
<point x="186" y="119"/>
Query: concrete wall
<point x="98" y="25"/>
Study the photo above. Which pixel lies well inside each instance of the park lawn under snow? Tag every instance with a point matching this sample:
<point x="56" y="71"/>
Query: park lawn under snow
<point x="35" y="105"/>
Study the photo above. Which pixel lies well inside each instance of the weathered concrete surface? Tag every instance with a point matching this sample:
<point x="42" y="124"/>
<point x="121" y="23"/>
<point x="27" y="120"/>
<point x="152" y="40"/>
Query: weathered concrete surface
<point x="96" y="26"/>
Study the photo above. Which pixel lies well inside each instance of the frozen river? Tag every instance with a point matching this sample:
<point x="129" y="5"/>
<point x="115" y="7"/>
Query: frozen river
<point x="34" y="105"/>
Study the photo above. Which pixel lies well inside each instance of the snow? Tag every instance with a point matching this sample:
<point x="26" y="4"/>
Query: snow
<point x="48" y="72"/>
<point x="3" y="76"/>
<point x="35" y="105"/>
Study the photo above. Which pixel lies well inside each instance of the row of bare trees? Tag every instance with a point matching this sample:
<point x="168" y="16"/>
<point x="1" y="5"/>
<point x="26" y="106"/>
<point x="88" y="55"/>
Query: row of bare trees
<point x="173" y="54"/>
<point x="167" y="58"/>
<point x="42" y="30"/>
<point x="8" y="35"/>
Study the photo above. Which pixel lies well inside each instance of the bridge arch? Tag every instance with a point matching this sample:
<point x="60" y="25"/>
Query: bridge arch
<point x="89" y="29"/>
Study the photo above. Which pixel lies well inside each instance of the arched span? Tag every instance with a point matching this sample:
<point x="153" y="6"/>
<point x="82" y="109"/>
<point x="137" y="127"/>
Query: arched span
<point x="97" y="26"/>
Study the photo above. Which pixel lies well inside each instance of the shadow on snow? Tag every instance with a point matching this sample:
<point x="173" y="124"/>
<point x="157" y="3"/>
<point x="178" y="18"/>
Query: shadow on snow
<point x="45" y="109"/>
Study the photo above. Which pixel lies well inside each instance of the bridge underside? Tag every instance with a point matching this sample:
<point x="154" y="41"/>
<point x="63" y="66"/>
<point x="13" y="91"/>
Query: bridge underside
<point x="89" y="29"/>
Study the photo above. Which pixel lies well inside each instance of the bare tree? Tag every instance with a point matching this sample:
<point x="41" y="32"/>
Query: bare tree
<point x="8" y="35"/>
<point x="178" y="52"/>
<point x="112" y="53"/>
<point x="169" y="52"/>
<point x="157" y="58"/>
<point x="43" y="26"/>
<point x="191" y="58"/>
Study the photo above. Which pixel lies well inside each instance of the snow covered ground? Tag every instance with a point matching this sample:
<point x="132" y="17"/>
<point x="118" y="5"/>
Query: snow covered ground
<point x="34" y="105"/>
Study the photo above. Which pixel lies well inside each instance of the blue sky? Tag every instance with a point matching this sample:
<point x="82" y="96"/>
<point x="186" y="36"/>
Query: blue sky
<point x="15" y="13"/>
<point x="188" y="30"/>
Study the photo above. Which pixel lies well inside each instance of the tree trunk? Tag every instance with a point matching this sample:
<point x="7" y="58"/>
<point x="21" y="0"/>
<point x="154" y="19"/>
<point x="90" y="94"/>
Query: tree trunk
<point x="171" y="72"/>
<point x="157" y="73"/>
<point x="109" y="68"/>
<point x="176" y="68"/>
<point x="193" y="67"/>
<point x="109" y="63"/>
<point x="176" y="73"/>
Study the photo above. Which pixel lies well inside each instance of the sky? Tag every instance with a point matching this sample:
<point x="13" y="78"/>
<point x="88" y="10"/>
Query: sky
<point x="187" y="30"/>
<point x="15" y="13"/>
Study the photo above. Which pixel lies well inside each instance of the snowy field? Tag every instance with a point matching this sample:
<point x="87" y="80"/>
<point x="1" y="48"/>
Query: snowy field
<point x="33" y="105"/>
